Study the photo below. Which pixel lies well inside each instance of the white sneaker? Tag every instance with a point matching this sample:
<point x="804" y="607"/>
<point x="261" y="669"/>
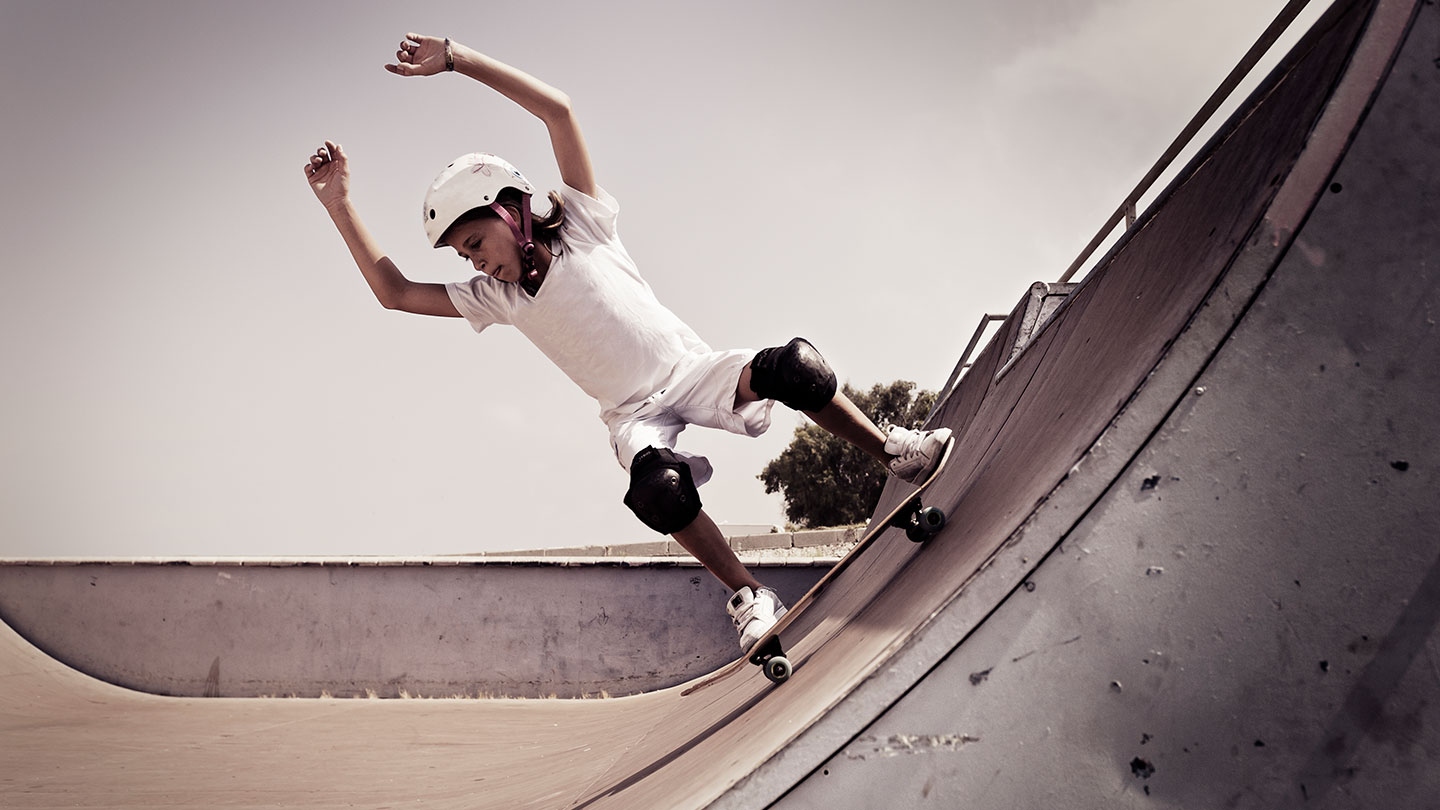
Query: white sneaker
<point x="754" y="613"/>
<point x="916" y="452"/>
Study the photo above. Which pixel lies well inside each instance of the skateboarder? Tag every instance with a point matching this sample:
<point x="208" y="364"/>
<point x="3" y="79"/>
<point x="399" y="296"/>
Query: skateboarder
<point x="567" y="283"/>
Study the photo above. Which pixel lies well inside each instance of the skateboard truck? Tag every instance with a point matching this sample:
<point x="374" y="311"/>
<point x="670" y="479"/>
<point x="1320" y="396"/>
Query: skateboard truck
<point x="919" y="521"/>
<point x="770" y="657"/>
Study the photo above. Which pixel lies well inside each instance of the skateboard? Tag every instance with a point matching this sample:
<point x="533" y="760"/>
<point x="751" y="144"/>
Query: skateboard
<point x="920" y="523"/>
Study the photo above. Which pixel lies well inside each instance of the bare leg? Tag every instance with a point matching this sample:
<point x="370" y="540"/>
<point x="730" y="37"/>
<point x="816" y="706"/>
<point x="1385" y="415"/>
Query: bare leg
<point x="848" y="422"/>
<point x="702" y="538"/>
<point x="840" y="417"/>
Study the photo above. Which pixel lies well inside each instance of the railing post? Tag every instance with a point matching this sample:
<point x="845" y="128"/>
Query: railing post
<point x="1247" y="63"/>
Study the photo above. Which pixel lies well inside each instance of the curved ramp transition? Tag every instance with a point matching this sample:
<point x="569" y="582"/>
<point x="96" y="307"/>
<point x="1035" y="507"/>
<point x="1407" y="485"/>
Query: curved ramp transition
<point x="1191" y="557"/>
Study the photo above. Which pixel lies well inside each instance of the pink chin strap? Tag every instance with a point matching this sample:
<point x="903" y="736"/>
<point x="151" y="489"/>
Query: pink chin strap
<point x="529" y="274"/>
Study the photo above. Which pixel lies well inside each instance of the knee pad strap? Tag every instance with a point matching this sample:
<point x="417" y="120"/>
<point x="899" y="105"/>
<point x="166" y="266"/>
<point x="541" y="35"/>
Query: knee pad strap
<point x="795" y="374"/>
<point x="662" y="491"/>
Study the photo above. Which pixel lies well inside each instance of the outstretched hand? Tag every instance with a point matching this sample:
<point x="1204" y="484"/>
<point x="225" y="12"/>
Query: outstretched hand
<point x="329" y="174"/>
<point x="419" y="56"/>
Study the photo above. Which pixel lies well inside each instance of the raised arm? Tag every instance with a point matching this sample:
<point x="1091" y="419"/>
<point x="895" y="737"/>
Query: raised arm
<point x="426" y="56"/>
<point x="328" y="173"/>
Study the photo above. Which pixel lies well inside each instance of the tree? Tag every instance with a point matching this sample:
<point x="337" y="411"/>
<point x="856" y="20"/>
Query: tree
<point x="827" y="481"/>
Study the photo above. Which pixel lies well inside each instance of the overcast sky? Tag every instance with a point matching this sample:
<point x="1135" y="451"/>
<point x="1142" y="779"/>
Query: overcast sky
<point x="193" y="366"/>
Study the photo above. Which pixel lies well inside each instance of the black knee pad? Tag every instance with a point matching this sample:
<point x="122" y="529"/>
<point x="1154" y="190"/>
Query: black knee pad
<point x="795" y="374"/>
<point x="662" y="491"/>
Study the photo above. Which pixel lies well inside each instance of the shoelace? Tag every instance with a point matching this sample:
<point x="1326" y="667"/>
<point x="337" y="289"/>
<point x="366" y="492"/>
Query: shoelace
<point x="912" y="445"/>
<point x="745" y="614"/>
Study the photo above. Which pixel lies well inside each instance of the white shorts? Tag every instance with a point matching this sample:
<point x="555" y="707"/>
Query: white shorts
<point x="701" y="392"/>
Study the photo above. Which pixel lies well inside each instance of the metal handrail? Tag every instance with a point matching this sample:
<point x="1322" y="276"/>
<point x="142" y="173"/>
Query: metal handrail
<point x="985" y="320"/>
<point x="1126" y="210"/>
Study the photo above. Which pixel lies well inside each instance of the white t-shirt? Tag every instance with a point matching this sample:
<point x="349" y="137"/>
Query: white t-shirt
<point x="594" y="316"/>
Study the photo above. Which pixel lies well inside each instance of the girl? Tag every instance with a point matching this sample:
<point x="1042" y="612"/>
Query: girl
<point x="567" y="283"/>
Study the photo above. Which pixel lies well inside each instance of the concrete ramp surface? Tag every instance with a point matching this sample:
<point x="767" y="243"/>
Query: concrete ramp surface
<point x="1193" y="555"/>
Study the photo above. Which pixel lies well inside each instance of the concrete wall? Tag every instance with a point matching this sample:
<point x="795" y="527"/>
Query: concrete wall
<point x="1250" y="616"/>
<point x="763" y="548"/>
<point x="435" y="627"/>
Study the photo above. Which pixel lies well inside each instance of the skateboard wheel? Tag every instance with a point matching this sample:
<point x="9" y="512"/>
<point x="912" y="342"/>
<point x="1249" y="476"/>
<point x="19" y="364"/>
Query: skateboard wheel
<point x="925" y="524"/>
<point x="777" y="669"/>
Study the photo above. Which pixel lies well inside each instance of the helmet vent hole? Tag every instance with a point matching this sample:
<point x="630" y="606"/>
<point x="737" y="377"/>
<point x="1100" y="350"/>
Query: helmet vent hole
<point x="432" y="213"/>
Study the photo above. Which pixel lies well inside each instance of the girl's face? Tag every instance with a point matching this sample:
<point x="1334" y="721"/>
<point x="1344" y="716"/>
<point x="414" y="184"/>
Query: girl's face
<point x="489" y="245"/>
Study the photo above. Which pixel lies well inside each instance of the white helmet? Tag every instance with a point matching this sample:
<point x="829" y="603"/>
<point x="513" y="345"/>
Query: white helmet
<point x="472" y="181"/>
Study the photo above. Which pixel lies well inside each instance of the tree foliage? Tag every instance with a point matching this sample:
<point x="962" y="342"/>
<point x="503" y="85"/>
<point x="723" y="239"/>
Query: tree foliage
<point x="827" y="481"/>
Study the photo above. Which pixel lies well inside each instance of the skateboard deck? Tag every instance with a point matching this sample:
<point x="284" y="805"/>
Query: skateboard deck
<point x="920" y="523"/>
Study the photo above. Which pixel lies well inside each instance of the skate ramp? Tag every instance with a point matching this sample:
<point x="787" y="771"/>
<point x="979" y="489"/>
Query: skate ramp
<point x="1143" y="595"/>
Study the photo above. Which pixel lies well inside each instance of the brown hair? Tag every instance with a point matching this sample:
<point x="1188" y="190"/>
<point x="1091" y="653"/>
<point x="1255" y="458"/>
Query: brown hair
<point x="545" y="230"/>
